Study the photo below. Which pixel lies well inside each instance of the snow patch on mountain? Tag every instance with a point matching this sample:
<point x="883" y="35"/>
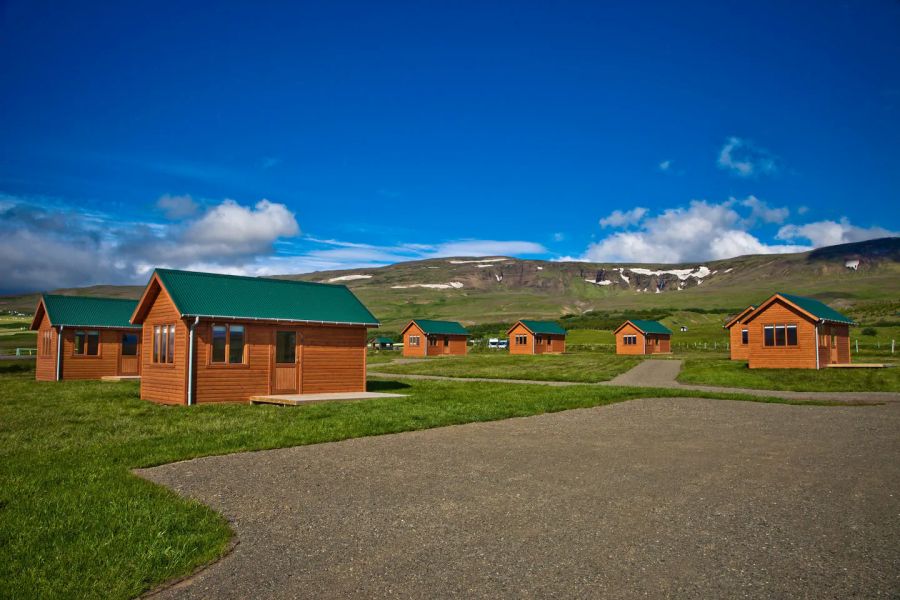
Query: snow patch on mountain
<point x="349" y="278"/>
<point x="453" y="285"/>
<point x="682" y="274"/>
<point x="483" y="260"/>
<point x="604" y="282"/>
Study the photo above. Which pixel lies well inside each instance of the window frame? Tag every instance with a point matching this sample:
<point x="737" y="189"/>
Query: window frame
<point x="745" y="337"/>
<point x="521" y="339"/>
<point x="629" y="339"/>
<point x="226" y="362"/>
<point x="87" y="333"/>
<point x="137" y="344"/>
<point x="775" y="335"/>
<point x="162" y="353"/>
<point x="414" y="341"/>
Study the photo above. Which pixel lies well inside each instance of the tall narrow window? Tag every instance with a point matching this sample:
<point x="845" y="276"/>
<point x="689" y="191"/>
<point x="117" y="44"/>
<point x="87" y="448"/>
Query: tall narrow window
<point x="236" y="344"/>
<point x="791" y="335"/>
<point x="156" y="343"/>
<point x="769" y="335"/>
<point x="745" y="336"/>
<point x="170" y="350"/>
<point x="219" y="336"/>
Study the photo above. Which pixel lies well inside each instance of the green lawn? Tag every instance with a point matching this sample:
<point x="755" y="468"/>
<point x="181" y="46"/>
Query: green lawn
<point x="74" y="522"/>
<point x="729" y="373"/>
<point x="584" y="367"/>
<point x="379" y="357"/>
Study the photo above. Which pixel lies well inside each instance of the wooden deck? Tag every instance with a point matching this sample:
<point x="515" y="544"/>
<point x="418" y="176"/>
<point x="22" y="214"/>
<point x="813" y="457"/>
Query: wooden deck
<point x="858" y="366"/>
<point x="301" y="399"/>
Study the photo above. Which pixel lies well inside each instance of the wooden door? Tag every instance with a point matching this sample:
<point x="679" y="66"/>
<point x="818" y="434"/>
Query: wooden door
<point x="286" y="370"/>
<point x="129" y="354"/>
<point x="446" y="345"/>
<point x="834" y="350"/>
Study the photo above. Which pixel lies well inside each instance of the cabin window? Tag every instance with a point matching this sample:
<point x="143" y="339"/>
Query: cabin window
<point x="791" y="335"/>
<point x="286" y="347"/>
<point x="164" y="344"/>
<point x="129" y="344"/>
<point x="779" y="335"/>
<point x="745" y="336"/>
<point x="538" y="339"/>
<point x="228" y="342"/>
<point x="46" y="341"/>
<point x="219" y="336"/>
<point x="413" y="340"/>
<point x="87" y="343"/>
<point x="521" y="340"/>
<point x="446" y="342"/>
<point x="629" y="340"/>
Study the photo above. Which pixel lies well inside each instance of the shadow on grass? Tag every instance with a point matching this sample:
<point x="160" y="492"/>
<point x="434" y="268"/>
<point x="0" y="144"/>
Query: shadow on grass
<point x="16" y="366"/>
<point x="385" y="386"/>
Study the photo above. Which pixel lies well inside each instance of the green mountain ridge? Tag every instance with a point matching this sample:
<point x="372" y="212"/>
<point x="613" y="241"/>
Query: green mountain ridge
<point x="860" y="278"/>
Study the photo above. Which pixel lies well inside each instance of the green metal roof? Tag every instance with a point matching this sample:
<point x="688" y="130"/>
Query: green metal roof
<point x="383" y="340"/>
<point x="212" y="295"/>
<point x="543" y="327"/>
<point x="431" y="327"/>
<point x="818" y="309"/>
<point x="650" y="326"/>
<point x="87" y="311"/>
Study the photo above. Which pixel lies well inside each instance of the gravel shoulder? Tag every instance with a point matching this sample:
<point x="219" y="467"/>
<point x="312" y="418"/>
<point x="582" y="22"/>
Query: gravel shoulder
<point x="654" y="497"/>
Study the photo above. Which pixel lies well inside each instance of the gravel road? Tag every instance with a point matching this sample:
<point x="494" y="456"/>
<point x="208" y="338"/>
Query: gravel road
<point x="657" y="497"/>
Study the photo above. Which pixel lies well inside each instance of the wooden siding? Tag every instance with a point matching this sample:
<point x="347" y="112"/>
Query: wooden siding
<point x="234" y="382"/>
<point x="456" y="345"/>
<point x="801" y="356"/>
<point x="165" y="383"/>
<point x="549" y="344"/>
<point x="45" y="365"/>
<point x="739" y="351"/>
<point x="333" y="359"/>
<point x="414" y="351"/>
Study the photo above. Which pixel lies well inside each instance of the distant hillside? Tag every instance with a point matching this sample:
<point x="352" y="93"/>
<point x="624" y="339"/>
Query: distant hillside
<point x="862" y="277"/>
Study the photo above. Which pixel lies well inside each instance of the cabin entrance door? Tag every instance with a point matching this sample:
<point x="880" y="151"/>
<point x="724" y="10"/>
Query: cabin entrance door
<point x="286" y="370"/>
<point x="129" y="358"/>
<point x="446" y="345"/>
<point x="834" y="350"/>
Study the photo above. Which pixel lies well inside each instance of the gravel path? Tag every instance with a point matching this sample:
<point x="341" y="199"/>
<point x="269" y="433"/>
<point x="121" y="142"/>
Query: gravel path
<point x="657" y="497"/>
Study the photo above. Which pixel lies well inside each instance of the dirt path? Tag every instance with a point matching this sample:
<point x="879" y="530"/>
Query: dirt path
<point x="648" y="498"/>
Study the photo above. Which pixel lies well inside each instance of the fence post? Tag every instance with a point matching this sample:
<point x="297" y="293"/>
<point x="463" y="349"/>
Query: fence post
<point x="857" y="345"/>
<point x="892" y="346"/>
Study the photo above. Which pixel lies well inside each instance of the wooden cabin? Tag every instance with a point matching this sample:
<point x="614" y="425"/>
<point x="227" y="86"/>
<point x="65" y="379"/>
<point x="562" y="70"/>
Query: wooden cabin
<point x="739" y="335"/>
<point x="793" y="332"/>
<point x="81" y="337"/>
<point x="382" y="343"/>
<point x="427" y="337"/>
<point x="536" y="337"/>
<point x="226" y="338"/>
<point x="643" y="337"/>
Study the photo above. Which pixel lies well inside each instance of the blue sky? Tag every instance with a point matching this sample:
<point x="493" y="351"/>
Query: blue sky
<point x="317" y="135"/>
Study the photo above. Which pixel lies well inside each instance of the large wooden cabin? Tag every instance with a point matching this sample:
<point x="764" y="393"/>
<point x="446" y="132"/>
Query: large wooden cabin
<point x="739" y="334"/>
<point x="427" y="337"/>
<point x="793" y="332"/>
<point x="226" y="338"/>
<point x="536" y="337"/>
<point x="82" y="337"/>
<point x="636" y="336"/>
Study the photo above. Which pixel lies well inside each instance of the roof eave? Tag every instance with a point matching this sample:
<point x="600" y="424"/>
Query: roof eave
<point x="281" y="320"/>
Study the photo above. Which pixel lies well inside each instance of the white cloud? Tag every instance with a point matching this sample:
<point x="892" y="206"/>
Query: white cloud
<point x="485" y="248"/>
<point x="760" y="211"/>
<point x="665" y="166"/>
<point x="741" y="157"/>
<point x="830" y="233"/>
<point x="176" y="207"/>
<point x="702" y="231"/>
<point x="230" y="228"/>
<point x="623" y="219"/>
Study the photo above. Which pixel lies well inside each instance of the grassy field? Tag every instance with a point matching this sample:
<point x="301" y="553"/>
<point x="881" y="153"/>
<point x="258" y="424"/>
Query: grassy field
<point x="587" y="367"/>
<point x="74" y="522"/>
<point x="728" y="373"/>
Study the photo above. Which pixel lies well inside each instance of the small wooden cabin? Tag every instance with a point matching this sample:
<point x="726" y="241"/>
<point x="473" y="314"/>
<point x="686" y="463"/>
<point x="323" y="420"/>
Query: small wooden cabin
<point x="81" y="337"/>
<point x="226" y="338"/>
<point x="382" y="343"/>
<point x="793" y="332"/>
<point x="643" y="337"/>
<point x="427" y="337"/>
<point x="536" y="337"/>
<point x="739" y="334"/>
